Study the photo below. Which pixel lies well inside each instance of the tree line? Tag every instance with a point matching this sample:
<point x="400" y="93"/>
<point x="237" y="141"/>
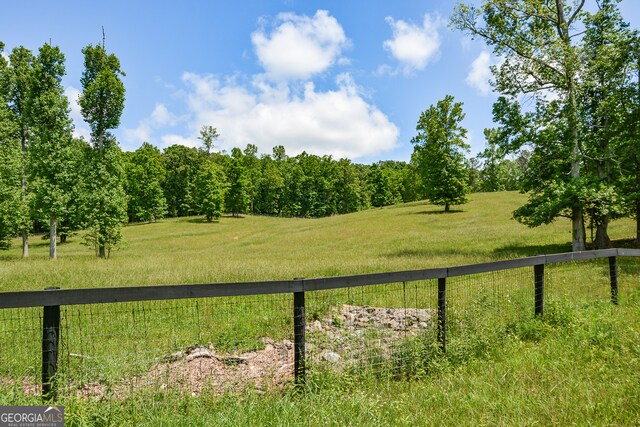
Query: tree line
<point x="184" y="181"/>
<point x="48" y="179"/>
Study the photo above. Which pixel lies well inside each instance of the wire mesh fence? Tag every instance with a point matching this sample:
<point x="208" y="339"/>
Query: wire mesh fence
<point x="223" y="344"/>
<point x="482" y="307"/>
<point x="187" y="344"/>
<point x="374" y="330"/>
<point x="21" y="348"/>
<point x="562" y="282"/>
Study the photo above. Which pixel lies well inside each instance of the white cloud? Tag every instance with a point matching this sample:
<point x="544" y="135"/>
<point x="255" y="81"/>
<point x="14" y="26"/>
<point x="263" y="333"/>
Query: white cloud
<point x="338" y="122"/>
<point x="134" y="137"/>
<point x="280" y="106"/>
<point x="80" y="129"/>
<point x="480" y="73"/>
<point x="173" y="139"/>
<point x="300" y="46"/>
<point x="160" y="118"/>
<point x="412" y="45"/>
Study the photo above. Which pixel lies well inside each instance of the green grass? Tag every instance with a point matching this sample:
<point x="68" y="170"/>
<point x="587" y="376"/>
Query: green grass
<point x="579" y="365"/>
<point x="188" y="250"/>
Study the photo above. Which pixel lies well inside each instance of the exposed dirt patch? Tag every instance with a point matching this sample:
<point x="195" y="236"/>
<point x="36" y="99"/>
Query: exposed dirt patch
<point x="201" y="367"/>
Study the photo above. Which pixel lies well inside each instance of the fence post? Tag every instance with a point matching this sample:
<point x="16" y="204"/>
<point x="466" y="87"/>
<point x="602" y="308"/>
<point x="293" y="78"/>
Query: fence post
<point x="613" y="274"/>
<point x="538" y="272"/>
<point x="50" y="341"/>
<point x="442" y="313"/>
<point x="299" y="326"/>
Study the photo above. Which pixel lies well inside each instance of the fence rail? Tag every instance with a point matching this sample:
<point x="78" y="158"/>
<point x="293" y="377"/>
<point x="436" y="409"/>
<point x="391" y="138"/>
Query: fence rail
<point x="55" y="297"/>
<point x="52" y="299"/>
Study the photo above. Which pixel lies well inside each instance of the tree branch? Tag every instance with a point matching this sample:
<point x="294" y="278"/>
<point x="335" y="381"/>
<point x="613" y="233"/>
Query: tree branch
<point x="575" y="13"/>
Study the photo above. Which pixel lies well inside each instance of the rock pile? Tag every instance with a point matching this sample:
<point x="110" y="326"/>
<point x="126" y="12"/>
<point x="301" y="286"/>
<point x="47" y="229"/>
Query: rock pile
<point x="350" y="331"/>
<point x="341" y="338"/>
<point x="355" y="317"/>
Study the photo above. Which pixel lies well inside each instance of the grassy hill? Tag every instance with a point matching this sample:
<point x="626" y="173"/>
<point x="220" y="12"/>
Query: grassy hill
<point x="189" y="250"/>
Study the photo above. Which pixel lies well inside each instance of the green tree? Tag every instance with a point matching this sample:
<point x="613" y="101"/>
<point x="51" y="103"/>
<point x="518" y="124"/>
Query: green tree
<point x="51" y="151"/>
<point x="181" y="164"/>
<point x="603" y="106"/>
<point x="497" y="173"/>
<point x="252" y="165"/>
<point x="536" y="40"/>
<point x="379" y="187"/>
<point x="439" y="151"/>
<point x="401" y="178"/>
<point x="237" y="195"/>
<point x="145" y="179"/>
<point x="10" y="177"/>
<point x="20" y="81"/>
<point x="73" y="220"/>
<point x="10" y="161"/>
<point x="209" y="190"/>
<point x="348" y="187"/>
<point x="101" y="103"/>
<point x="630" y="150"/>
<point x="208" y="135"/>
<point x="270" y="188"/>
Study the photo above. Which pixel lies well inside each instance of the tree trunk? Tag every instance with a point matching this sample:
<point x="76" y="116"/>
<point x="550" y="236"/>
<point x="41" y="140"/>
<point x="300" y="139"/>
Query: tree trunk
<point x="638" y="222"/>
<point x="602" y="240"/>
<point x="53" y="238"/>
<point x="63" y="238"/>
<point x="602" y="237"/>
<point x="577" y="217"/>
<point x="577" y="240"/>
<point x="102" y="253"/>
<point x="23" y="189"/>
<point x="446" y="207"/>
<point x="25" y="244"/>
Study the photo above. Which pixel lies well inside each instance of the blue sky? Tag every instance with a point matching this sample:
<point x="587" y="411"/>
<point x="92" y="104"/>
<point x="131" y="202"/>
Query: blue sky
<point x="346" y="78"/>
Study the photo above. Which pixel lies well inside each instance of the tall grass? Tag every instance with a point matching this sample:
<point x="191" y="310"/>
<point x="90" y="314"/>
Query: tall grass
<point x="578" y="366"/>
<point x="189" y="250"/>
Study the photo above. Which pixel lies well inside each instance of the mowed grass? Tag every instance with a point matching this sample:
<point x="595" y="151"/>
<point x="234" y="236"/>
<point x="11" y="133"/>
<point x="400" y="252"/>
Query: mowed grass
<point x="254" y="248"/>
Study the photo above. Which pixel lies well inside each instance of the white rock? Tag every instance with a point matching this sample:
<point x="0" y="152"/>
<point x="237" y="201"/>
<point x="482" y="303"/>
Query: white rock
<point x="197" y="353"/>
<point x="331" y="357"/>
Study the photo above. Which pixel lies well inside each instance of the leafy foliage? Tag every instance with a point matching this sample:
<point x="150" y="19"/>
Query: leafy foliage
<point x="237" y="195"/>
<point x="51" y="152"/>
<point x="19" y="79"/>
<point x="439" y="153"/>
<point x="101" y="103"/>
<point x="209" y="190"/>
<point x="145" y="179"/>
<point x="536" y="41"/>
<point x="10" y="174"/>
<point x="574" y="68"/>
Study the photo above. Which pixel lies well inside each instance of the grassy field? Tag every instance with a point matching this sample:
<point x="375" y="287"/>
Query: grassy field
<point x="579" y="365"/>
<point x="189" y="250"/>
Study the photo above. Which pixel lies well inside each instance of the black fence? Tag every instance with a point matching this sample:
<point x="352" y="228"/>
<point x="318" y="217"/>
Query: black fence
<point x="359" y="318"/>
